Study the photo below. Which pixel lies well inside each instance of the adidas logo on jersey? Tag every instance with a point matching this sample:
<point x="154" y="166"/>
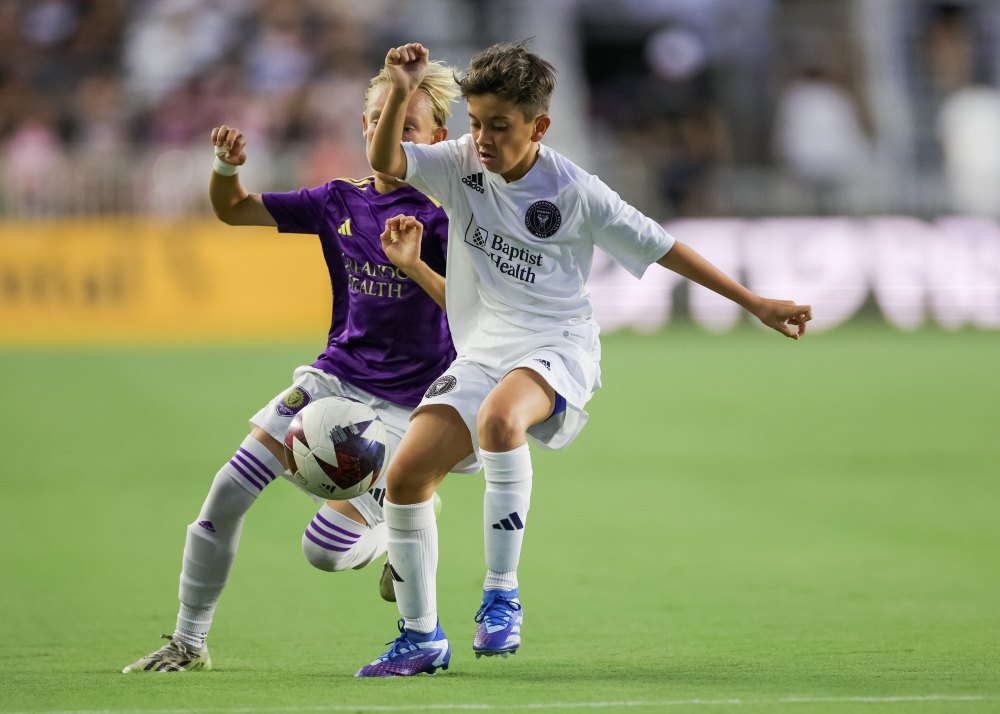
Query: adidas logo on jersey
<point x="475" y="181"/>
<point x="544" y="362"/>
<point x="511" y="523"/>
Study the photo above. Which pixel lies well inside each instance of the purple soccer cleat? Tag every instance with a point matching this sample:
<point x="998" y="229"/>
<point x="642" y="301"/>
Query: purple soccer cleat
<point x="499" y="624"/>
<point x="411" y="653"/>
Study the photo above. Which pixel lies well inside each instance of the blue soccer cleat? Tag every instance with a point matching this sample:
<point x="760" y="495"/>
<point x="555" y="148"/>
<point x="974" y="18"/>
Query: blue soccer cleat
<point x="411" y="653"/>
<point x="499" y="618"/>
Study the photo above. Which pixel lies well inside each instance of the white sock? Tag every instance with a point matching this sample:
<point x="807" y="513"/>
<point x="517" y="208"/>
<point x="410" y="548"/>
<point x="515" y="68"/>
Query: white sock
<point x="212" y="540"/>
<point x="505" y="513"/>
<point x="334" y="542"/>
<point x="413" y="554"/>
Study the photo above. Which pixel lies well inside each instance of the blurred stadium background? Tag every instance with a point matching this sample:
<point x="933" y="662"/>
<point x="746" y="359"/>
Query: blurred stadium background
<point x="693" y="108"/>
<point x="846" y="153"/>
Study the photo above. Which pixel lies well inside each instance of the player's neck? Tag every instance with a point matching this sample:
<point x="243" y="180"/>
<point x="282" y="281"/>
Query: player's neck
<point x="521" y="170"/>
<point x="386" y="184"/>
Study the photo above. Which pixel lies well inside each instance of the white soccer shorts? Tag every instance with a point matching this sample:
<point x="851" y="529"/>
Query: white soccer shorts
<point x="466" y="383"/>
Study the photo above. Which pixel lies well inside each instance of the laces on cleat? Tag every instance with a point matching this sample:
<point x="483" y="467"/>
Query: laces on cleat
<point x="400" y="645"/>
<point x="498" y="624"/>
<point x="496" y="610"/>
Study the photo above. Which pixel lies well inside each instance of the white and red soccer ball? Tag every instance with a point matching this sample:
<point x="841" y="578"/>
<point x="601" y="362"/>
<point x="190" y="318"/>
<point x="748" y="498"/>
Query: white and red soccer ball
<point x="335" y="448"/>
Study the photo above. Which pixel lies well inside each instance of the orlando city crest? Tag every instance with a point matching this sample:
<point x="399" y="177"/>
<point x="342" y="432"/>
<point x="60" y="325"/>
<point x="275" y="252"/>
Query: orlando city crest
<point x="293" y="402"/>
<point x="542" y="219"/>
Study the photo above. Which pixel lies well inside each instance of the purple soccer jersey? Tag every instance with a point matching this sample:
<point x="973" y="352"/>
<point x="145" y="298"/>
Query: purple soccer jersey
<point x="387" y="336"/>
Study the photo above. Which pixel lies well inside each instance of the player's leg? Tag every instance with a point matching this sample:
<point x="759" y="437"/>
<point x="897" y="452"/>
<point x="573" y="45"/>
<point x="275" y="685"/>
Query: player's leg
<point x="521" y="399"/>
<point x="210" y="550"/>
<point x="436" y="440"/>
<point x="340" y="538"/>
<point x="386" y="583"/>
<point x="351" y="534"/>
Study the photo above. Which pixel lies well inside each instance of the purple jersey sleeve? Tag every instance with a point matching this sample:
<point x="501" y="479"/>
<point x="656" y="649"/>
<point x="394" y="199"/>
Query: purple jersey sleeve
<point x="302" y="211"/>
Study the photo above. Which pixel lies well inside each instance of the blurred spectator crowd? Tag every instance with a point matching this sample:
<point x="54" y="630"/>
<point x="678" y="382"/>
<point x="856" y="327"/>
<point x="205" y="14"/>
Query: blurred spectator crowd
<point x="687" y="107"/>
<point x="106" y="106"/>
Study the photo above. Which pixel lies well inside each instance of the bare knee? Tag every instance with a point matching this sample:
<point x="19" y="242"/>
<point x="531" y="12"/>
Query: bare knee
<point x="521" y="398"/>
<point x="500" y="429"/>
<point x="415" y="484"/>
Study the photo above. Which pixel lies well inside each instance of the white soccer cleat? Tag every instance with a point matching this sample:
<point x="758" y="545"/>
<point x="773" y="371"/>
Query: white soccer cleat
<point x="175" y="656"/>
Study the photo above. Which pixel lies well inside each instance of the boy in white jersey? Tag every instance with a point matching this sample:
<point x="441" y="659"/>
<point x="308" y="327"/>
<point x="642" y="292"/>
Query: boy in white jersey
<point x="523" y="225"/>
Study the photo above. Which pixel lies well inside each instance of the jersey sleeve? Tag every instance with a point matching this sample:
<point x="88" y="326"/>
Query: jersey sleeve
<point x="631" y="238"/>
<point x="302" y="211"/>
<point x="433" y="168"/>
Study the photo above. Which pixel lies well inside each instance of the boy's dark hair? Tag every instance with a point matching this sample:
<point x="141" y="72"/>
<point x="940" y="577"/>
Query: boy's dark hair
<point x="509" y="71"/>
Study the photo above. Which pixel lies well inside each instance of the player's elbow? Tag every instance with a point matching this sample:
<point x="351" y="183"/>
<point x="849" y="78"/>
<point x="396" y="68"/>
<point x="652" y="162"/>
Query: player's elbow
<point x="248" y="210"/>
<point x="224" y="214"/>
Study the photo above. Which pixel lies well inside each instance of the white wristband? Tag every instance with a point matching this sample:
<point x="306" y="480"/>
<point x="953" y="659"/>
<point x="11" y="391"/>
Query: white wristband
<point x="221" y="167"/>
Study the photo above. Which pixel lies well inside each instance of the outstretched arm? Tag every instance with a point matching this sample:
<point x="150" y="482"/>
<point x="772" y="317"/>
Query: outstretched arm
<point x="406" y="66"/>
<point x="784" y="316"/>
<point x="401" y="241"/>
<point x="230" y="201"/>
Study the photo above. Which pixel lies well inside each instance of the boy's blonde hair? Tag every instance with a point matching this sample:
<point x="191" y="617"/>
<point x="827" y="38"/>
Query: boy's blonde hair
<point x="438" y="86"/>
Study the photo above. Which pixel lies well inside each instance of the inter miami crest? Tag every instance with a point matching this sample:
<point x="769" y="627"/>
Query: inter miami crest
<point x="442" y="385"/>
<point x="542" y="219"/>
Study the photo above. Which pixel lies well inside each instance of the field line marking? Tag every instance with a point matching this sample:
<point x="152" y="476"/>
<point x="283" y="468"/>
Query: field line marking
<point x="902" y="699"/>
<point x="889" y="700"/>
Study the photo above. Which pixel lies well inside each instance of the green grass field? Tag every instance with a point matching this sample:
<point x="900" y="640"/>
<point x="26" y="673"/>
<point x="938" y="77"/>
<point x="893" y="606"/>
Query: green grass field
<point x="746" y="525"/>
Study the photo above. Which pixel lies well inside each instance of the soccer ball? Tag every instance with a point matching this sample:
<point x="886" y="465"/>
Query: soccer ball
<point x="335" y="448"/>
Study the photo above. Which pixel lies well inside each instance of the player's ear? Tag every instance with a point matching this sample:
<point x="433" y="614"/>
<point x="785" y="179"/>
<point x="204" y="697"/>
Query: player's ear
<point x="542" y="123"/>
<point x="440" y="134"/>
<point x="364" y="124"/>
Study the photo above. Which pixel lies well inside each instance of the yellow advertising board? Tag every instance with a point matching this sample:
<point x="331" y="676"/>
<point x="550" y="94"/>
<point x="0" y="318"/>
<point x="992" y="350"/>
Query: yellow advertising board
<point x="137" y="280"/>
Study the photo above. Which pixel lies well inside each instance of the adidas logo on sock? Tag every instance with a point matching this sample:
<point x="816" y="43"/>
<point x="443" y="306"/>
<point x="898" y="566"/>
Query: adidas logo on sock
<point x="511" y="523"/>
<point x="378" y="494"/>
<point x="207" y="525"/>
<point x="475" y="181"/>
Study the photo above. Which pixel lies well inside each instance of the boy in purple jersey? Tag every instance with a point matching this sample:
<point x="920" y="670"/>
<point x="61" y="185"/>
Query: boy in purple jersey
<point x="384" y="244"/>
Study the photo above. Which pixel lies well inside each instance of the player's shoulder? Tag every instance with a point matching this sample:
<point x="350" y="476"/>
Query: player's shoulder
<point x="408" y="197"/>
<point x="462" y="150"/>
<point x="464" y="144"/>
<point x="567" y="177"/>
<point x="343" y="191"/>
<point x="564" y="167"/>
<point x="352" y="185"/>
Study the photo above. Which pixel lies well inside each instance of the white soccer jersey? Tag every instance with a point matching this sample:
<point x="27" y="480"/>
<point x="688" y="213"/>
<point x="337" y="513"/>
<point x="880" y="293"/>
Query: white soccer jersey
<point x="529" y="243"/>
